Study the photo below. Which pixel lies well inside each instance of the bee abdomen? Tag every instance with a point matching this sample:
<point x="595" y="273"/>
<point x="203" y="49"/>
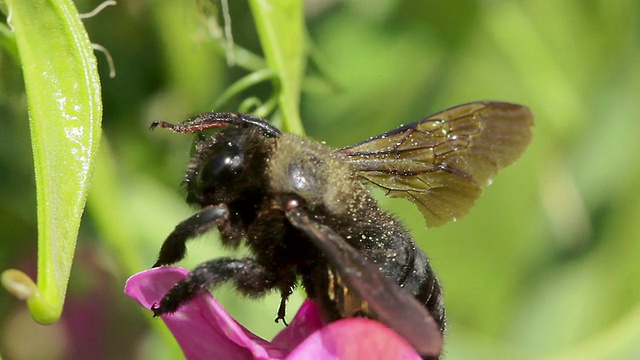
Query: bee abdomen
<point x="423" y="284"/>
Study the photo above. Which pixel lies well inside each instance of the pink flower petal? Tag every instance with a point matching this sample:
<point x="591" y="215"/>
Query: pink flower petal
<point x="354" y="338"/>
<point x="202" y="327"/>
<point x="205" y="330"/>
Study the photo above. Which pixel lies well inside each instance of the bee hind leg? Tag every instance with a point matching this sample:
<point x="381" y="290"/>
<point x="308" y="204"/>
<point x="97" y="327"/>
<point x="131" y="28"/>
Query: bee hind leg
<point x="282" y="309"/>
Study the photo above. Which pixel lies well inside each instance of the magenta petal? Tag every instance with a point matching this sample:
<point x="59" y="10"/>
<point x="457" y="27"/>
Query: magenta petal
<point x="306" y="321"/>
<point x="354" y="338"/>
<point x="202" y="327"/>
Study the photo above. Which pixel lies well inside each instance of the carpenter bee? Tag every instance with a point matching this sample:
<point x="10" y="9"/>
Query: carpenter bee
<point x="306" y="215"/>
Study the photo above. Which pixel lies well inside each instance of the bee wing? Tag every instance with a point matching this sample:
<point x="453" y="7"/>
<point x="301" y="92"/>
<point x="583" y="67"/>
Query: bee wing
<point x="442" y="162"/>
<point x="385" y="300"/>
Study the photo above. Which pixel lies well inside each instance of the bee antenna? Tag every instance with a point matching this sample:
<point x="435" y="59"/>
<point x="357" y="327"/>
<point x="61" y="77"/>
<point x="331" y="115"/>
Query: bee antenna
<point x="212" y="120"/>
<point x="162" y="124"/>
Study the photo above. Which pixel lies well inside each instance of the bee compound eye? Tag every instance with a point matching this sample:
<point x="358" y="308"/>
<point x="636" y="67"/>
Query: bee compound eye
<point x="223" y="166"/>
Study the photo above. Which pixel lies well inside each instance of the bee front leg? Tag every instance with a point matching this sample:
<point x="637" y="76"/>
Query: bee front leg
<point x="174" y="248"/>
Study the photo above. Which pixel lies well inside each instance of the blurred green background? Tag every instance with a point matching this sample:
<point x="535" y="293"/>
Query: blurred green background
<point x="544" y="267"/>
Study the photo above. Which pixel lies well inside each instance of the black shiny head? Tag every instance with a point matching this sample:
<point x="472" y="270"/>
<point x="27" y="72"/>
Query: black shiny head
<point x="227" y="164"/>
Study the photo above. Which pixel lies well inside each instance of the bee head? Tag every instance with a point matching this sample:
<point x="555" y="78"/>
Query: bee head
<point x="229" y="163"/>
<point x="226" y="165"/>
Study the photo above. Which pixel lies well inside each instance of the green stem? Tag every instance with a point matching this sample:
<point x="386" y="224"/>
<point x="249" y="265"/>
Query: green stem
<point x="280" y="26"/>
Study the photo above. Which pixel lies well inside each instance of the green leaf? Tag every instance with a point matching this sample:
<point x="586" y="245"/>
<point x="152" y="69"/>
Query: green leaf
<point x="280" y="26"/>
<point x="65" y="110"/>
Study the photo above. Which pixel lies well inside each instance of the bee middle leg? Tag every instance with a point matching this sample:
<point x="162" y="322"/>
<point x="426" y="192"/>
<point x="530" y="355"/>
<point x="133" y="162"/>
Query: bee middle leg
<point x="248" y="276"/>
